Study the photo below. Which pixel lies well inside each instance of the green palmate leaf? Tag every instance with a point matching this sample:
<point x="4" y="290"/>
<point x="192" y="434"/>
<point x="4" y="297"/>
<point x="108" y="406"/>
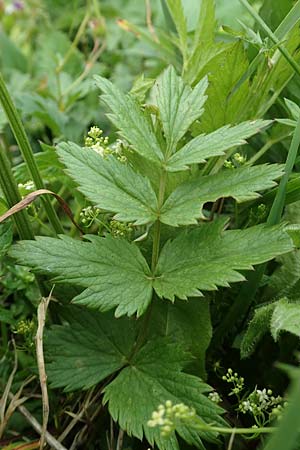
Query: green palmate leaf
<point x="184" y="205"/>
<point x="257" y="328"/>
<point x="286" y="317"/>
<point x="214" y="144"/>
<point x="114" y="271"/>
<point x="129" y="119"/>
<point x="206" y="257"/>
<point x="179" y="105"/>
<point x="153" y="376"/>
<point x="87" y="349"/>
<point x="110" y="184"/>
<point x="90" y="346"/>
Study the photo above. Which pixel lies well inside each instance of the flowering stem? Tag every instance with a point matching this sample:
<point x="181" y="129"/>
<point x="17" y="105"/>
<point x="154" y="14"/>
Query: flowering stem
<point x="224" y="430"/>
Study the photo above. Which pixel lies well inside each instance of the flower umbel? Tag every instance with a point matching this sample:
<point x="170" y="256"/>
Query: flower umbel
<point x="169" y="416"/>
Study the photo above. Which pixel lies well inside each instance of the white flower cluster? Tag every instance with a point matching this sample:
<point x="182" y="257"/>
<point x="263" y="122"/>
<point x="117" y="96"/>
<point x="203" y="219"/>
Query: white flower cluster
<point x="215" y="397"/>
<point x="96" y="141"/>
<point x="261" y="401"/>
<point x="168" y="416"/>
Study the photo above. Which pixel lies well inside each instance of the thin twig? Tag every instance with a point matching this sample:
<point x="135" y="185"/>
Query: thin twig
<point x="120" y="440"/>
<point x="38" y="428"/>
<point x="149" y="21"/>
<point x="79" y="417"/>
<point x="231" y="440"/>
<point x="3" y="400"/>
<point x="41" y="317"/>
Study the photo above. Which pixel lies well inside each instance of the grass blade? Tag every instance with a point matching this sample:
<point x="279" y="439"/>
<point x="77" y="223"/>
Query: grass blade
<point x="27" y="153"/>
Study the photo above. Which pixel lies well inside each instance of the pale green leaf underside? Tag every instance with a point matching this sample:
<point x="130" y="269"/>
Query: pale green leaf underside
<point x="153" y="377"/>
<point x="184" y="205"/>
<point x="179" y="105"/>
<point x="114" y="271"/>
<point x="90" y="347"/>
<point x="109" y="184"/>
<point x="129" y="119"/>
<point x="286" y="317"/>
<point x="199" y="149"/>
<point x="205" y="258"/>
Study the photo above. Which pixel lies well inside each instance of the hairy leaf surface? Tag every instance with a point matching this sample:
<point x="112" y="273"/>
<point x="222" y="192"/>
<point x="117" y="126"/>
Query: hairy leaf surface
<point x="214" y="144"/>
<point x="114" y="271"/>
<point x="257" y="328"/>
<point x="285" y="317"/>
<point x="206" y="257"/>
<point x="129" y="119"/>
<point x="179" y="105"/>
<point x="184" y="205"/>
<point x="111" y="185"/>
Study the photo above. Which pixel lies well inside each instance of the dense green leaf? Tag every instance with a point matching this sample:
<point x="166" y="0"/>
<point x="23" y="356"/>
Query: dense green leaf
<point x="206" y="257"/>
<point x="154" y="376"/>
<point x="285" y="317"/>
<point x="87" y="349"/>
<point x="114" y="271"/>
<point x="214" y="144"/>
<point x="225" y="70"/>
<point x="257" y="328"/>
<point x="184" y="205"/>
<point x="110" y="184"/>
<point x="188" y="322"/>
<point x="179" y="105"/>
<point x="129" y="119"/>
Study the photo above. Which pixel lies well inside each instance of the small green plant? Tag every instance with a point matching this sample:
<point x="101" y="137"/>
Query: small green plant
<point x="166" y="183"/>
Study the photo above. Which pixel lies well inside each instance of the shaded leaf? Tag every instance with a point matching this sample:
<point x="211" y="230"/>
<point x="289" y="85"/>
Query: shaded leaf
<point x="187" y="322"/>
<point x="156" y="371"/>
<point x="87" y="349"/>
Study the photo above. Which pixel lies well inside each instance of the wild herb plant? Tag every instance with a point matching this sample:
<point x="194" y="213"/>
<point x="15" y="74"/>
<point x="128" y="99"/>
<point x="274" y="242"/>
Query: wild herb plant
<point x="163" y="184"/>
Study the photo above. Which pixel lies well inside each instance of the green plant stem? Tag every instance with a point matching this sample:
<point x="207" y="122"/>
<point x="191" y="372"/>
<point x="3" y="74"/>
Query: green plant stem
<point x="12" y="196"/>
<point x="27" y="153"/>
<point x="272" y="36"/>
<point x="223" y="430"/>
<point x="155" y="255"/>
<point x="243" y="301"/>
<point x="75" y="42"/>
<point x="157" y="225"/>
